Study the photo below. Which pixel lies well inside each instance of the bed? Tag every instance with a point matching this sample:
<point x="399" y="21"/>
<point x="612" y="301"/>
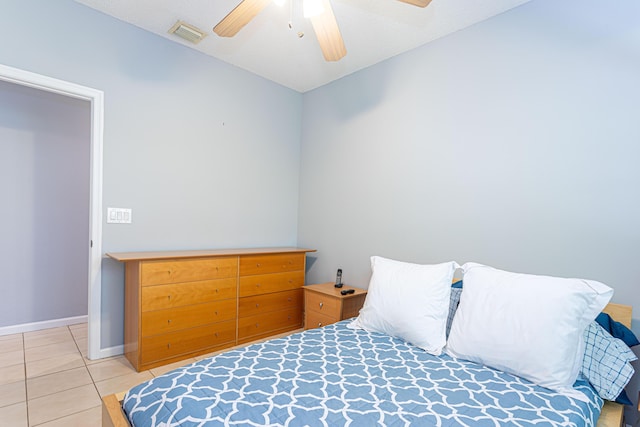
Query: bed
<point x="341" y="376"/>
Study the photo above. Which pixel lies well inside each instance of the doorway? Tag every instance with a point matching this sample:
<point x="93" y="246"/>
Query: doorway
<point x="94" y="246"/>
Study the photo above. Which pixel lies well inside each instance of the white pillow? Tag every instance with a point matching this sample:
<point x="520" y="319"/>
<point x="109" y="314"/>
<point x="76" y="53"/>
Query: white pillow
<point x="408" y="301"/>
<point x="527" y="325"/>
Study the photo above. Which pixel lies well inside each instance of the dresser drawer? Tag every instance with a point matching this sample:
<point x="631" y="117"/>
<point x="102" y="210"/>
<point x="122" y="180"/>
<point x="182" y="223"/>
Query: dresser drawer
<point x="250" y="306"/>
<point x="313" y="319"/>
<point x="265" y="324"/>
<point x="264" y="264"/>
<point x="182" y="342"/>
<point x="180" y="294"/>
<point x="187" y="270"/>
<point x="267" y="283"/>
<point x="324" y="304"/>
<point x="174" y="319"/>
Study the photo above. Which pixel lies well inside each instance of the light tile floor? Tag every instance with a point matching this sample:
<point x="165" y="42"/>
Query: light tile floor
<point x="46" y="379"/>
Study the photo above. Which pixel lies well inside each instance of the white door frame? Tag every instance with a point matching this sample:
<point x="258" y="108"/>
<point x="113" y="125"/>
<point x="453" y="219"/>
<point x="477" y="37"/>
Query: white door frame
<point x="96" y="98"/>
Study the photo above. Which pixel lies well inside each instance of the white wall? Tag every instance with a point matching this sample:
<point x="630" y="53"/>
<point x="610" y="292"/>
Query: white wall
<point x="204" y="153"/>
<point x="513" y="143"/>
<point x="44" y="219"/>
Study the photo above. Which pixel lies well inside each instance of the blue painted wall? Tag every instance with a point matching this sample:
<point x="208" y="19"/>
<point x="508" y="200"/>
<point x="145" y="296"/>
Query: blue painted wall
<point x="205" y="154"/>
<point x="513" y="143"/>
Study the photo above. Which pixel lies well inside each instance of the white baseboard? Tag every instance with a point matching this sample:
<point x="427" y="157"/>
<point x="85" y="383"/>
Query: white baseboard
<point x="46" y="324"/>
<point x="56" y="323"/>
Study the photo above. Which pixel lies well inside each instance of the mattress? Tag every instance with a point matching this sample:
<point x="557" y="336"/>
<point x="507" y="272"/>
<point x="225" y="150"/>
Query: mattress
<point x="335" y="376"/>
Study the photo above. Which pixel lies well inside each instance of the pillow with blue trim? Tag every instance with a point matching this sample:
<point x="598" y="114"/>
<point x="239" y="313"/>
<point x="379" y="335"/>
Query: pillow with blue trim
<point x="606" y="363"/>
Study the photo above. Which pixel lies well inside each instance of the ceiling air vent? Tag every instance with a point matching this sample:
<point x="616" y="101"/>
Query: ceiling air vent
<point x="187" y="32"/>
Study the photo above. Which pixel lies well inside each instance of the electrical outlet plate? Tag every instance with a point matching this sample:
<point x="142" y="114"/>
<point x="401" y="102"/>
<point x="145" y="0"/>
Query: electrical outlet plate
<point x="118" y="216"/>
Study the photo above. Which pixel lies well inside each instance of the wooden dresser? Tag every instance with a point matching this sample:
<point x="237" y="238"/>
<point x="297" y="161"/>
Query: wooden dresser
<point x="187" y="303"/>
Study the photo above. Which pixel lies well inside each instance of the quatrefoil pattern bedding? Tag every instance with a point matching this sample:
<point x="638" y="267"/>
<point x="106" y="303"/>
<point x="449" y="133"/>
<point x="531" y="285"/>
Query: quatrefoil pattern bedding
<point x="335" y="376"/>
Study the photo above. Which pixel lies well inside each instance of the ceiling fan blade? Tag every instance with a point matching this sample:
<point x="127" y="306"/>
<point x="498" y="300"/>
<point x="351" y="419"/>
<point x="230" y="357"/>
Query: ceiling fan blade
<point x="239" y="17"/>
<point x="419" y="3"/>
<point x="328" y="34"/>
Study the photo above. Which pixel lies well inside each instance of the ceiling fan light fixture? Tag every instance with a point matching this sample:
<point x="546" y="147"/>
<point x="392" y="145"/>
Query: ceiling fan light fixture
<point x="311" y="8"/>
<point x="319" y="12"/>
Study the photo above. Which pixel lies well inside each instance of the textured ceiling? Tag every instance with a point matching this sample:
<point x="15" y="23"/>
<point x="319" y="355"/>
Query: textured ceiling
<point x="373" y="30"/>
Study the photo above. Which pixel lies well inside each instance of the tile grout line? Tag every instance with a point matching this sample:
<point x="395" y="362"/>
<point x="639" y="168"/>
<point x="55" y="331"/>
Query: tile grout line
<point x="26" y="390"/>
<point x="86" y="366"/>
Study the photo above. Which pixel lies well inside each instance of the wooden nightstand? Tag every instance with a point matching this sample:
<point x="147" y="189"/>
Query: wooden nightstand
<point x="325" y="305"/>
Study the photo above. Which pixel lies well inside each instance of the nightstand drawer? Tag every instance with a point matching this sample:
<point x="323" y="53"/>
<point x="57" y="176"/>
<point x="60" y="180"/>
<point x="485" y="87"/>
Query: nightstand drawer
<point x="189" y="270"/>
<point x="174" y="319"/>
<point x="265" y="264"/>
<point x="180" y="294"/>
<point x="267" y="283"/>
<point x="259" y="304"/>
<point x="323" y="304"/>
<point x="314" y="319"/>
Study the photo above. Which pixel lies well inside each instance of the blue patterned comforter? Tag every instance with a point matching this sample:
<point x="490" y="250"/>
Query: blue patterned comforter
<point x="335" y="376"/>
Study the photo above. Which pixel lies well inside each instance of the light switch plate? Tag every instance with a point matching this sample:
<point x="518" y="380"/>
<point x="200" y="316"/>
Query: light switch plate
<point x="118" y="216"/>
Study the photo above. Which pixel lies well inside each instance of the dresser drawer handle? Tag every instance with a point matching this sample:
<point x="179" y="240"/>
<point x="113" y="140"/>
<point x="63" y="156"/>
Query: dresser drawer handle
<point x="216" y="312"/>
<point x="217" y="290"/>
<point x="168" y="345"/>
<point x="319" y="324"/>
<point x="169" y="296"/>
<point x="290" y="281"/>
<point x="257" y="285"/>
<point x="289" y="299"/>
<point x="216" y="335"/>
<point x="257" y="325"/>
<point x="321" y="304"/>
<point x="257" y="305"/>
<point x="258" y="265"/>
<point x="169" y="321"/>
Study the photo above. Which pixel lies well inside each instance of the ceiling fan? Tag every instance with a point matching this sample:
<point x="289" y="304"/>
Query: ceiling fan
<point x="318" y="11"/>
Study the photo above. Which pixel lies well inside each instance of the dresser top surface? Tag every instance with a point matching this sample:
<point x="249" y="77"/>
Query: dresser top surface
<point x="330" y="289"/>
<point x="144" y="256"/>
